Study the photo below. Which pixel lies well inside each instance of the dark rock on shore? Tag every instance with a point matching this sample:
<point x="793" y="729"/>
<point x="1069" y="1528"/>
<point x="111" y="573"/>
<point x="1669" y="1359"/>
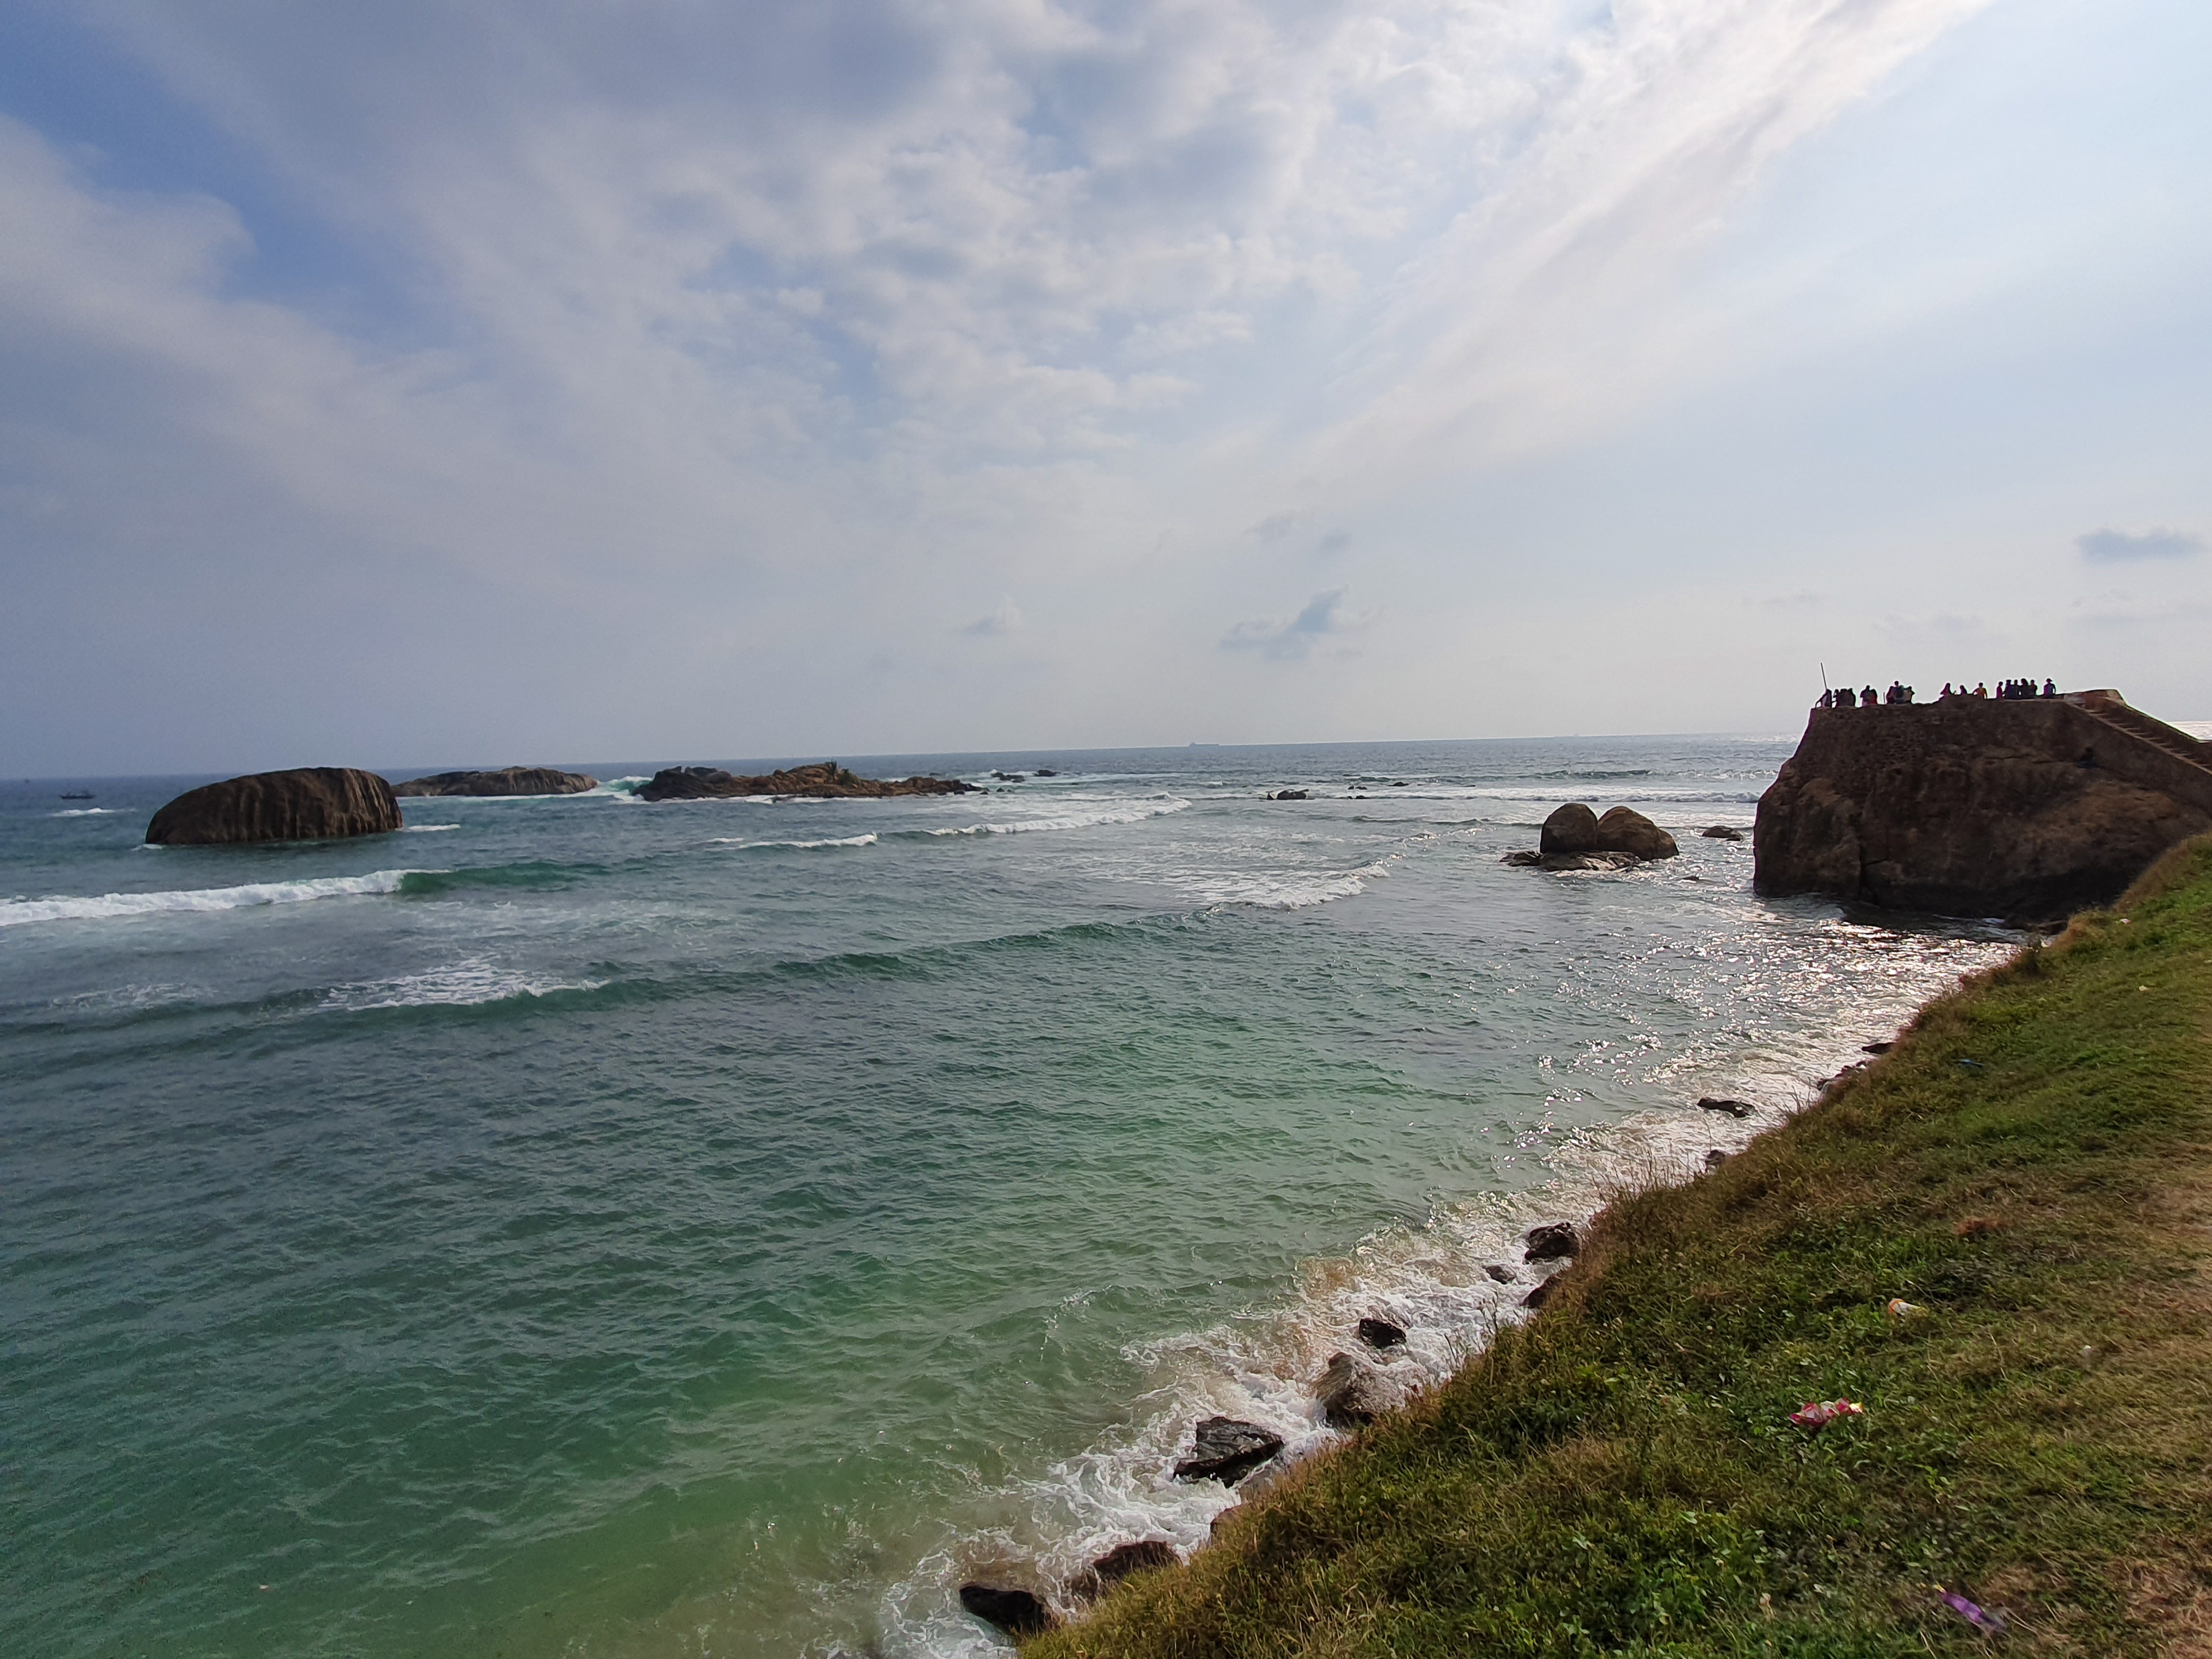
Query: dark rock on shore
<point x="1380" y="1333"/>
<point x="1503" y="1275"/>
<point x="508" y="781"/>
<point x="1732" y="1108"/>
<point x="1541" y="1294"/>
<point x="1554" y="1240"/>
<point x="827" y="781"/>
<point x="1352" y="1392"/>
<point x="1122" y="1560"/>
<point x="1722" y="832"/>
<point x="1981" y="807"/>
<point x="1016" y="1612"/>
<point x="312" y="802"/>
<point x="1715" y="1159"/>
<point x="1227" y="1449"/>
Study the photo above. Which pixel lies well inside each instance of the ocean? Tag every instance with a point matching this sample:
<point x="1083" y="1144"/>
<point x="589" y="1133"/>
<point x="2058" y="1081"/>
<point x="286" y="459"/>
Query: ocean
<point x="578" y="1226"/>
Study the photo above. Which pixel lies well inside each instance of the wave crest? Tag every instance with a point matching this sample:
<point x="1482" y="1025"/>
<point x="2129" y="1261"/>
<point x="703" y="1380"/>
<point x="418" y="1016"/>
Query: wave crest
<point x="109" y="906"/>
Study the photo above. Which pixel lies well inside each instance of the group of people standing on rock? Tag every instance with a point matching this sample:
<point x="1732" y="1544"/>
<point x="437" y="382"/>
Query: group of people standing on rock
<point x="1844" y="697"/>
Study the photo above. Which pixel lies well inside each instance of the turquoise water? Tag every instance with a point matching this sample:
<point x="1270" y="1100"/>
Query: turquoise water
<point x="577" y="1226"/>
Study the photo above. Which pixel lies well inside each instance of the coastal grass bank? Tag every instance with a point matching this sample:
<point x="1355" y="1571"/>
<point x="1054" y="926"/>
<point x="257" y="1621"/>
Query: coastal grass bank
<point x="2030" y="1167"/>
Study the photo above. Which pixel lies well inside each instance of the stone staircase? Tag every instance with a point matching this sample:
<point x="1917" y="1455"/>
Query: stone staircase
<point x="2114" y="711"/>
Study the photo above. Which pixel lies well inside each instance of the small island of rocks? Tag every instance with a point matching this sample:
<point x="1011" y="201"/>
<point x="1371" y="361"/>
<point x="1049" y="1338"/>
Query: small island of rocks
<point x="507" y="781"/>
<point x="1576" y="838"/>
<point x="825" y="781"/>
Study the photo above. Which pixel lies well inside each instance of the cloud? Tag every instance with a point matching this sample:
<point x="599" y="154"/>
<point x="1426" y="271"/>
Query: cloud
<point x="1006" y="619"/>
<point x="2119" y="546"/>
<point x="1296" y="637"/>
<point x="1277" y="525"/>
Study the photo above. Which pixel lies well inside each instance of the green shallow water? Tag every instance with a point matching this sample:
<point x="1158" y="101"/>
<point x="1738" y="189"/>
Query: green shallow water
<point x="605" y="1228"/>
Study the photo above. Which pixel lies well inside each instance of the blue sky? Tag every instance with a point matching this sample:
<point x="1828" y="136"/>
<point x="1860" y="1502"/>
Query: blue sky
<point x="476" y="383"/>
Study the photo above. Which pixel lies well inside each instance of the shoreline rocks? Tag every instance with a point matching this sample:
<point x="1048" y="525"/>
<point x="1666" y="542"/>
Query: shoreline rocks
<point x="1227" y="1448"/>
<point x="1380" y="1333"/>
<point x="825" y="781"/>
<point x="1353" y="1392"/>
<point x="1017" y="1612"/>
<point x="1123" y="1561"/>
<point x="1576" y="838"/>
<point x="1555" y="1240"/>
<point x="507" y="781"/>
<point x="309" y="803"/>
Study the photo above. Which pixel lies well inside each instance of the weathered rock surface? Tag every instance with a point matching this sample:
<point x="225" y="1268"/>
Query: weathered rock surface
<point x="312" y="802"/>
<point x="507" y="781"/>
<point x="1502" y="1274"/>
<point x="1571" y="828"/>
<point x="1624" y="829"/>
<point x="2028" y="809"/>
<point x="1119" y="1563"/>
<point x="827" y="781"/>
<point x="1351" y="1392"/>
<point x="1227" y="1449"/>
<point x="1552" y="1242"/>
<point x="1380" y="1333"/>
<point x="1576" y="838"/>
<point x="1016" y="1612"/>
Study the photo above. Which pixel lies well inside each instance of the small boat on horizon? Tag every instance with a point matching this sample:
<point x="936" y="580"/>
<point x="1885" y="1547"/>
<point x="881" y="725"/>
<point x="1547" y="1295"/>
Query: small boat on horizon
<point x="78" y="794"/>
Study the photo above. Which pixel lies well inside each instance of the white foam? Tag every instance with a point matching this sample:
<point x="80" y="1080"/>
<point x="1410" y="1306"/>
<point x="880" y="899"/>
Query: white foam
<point x="108" y="905"/>
<point x="1130" y="812"/>
<point x="425" y="829"/>
<point x="87" y="811"/>
<point x="797" y="846"/>
<point x="461" y="984"/>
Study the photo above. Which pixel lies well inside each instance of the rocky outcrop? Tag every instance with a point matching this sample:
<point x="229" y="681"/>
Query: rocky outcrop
<point x="1555" y="1240"/>
<point x="2027" y="810"/>
<point x="1379" y="1334"/>
<point x="1017" y="1612"/>
<point x="1227" y="1449"/>
<point x="1576" y="838"/>
<point x="508" y="781"/>
<point x="1149" y="1555"/>
<point x="1352" y="1391"/>
<point x="312" y="802"/>
<point x="827" y="781"/>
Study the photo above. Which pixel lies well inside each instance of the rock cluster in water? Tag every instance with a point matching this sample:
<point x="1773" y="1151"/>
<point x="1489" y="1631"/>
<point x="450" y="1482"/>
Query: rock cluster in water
<point x="507" y="781"/>
<point x="310" y="803"/>
<point x="1227" y="1448"/>
<point x="1576" y="838"/>
<point x="827" y="781"/>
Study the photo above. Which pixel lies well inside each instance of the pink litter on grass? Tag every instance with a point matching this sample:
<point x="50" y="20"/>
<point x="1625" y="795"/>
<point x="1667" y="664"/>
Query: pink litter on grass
<point x="1979" y="1618"/>
<point x="1821" y="1413"/>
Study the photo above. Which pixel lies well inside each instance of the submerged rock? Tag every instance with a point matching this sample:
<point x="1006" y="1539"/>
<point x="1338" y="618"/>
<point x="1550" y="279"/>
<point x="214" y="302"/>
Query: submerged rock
<point x="1555" y="1240"/>
<point x="1227" y="1449"/>
<point x="827" y="781"/>
<point x="1352" y="1392"/>
<point x="1722" y="832"/>
<point x="1732" y="1108"/>
<point x="1149" y="1555"/>
<point x="1504" y="1275"/>
<point x="1380" y="1333"/>
<point x="1288" y="794"/>
<point x="1016" y="1612"/>
<point x="508" y="781"/>
<point x="312" y="802"/>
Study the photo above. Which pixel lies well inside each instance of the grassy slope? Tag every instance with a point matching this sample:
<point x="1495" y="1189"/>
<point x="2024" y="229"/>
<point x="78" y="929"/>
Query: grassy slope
<point x="2030" y="1163"/>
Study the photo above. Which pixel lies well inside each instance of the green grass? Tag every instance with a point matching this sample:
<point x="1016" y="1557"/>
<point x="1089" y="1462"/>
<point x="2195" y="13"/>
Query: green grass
<point x="2030" y="1164"/>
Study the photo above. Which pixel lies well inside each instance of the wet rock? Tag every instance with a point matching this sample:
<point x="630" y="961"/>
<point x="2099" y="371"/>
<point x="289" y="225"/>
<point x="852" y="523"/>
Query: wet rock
<point x="1503" y="1275"/>
<point x="507" y="781"/>
<point x="1119" y="1563"/>
<point x="1011" y="777"/>
<point x="1352" y="1392"/>
<point x="1380" y="1333"/>
<point x="1572" y="828"/>
<point x="1016" y="1612"/>
<point x="1715" y="1159"/>
<point x="1721" y="832"/>
<point x="1555" y="1240"/>
<point x="1289" y="794"/>
<point x="1573" y="861"/>
<point x="312" y="802"/>
<point x="1227" y="1449"/>
<point x="1732" y="1108"/>
<point x="1624" y="829"/>
<point x="1046" y="772"/>
<point x="1877" y="1048"/>
<point x="1541" y="1294"/>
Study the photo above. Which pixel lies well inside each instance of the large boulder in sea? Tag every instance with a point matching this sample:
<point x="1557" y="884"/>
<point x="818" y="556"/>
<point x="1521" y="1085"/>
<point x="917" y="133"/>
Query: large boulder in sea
<point x="825" y="781"/>
<point x="2027" y="809"/>
<point x="312" y="803"/>
<point x="1624" y="829"/>
<point x="507" y="781"/>
<point x="1572" y="828"/>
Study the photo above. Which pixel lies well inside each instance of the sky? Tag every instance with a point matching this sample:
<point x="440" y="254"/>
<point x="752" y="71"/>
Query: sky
<point x="482" y="382"/>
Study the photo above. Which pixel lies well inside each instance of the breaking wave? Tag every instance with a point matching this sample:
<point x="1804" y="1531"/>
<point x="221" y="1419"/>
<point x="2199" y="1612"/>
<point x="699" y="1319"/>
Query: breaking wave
<point x="108" y="905"/>
<point x="794" y="845"/>
<point x="464" y="984"/>
<point x="1130" y="812"/>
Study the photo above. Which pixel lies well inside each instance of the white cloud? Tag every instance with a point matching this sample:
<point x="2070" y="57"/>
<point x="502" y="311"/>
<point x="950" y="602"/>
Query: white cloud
<point x="2121" y="546"/>
<point x="1006" y="619"/>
